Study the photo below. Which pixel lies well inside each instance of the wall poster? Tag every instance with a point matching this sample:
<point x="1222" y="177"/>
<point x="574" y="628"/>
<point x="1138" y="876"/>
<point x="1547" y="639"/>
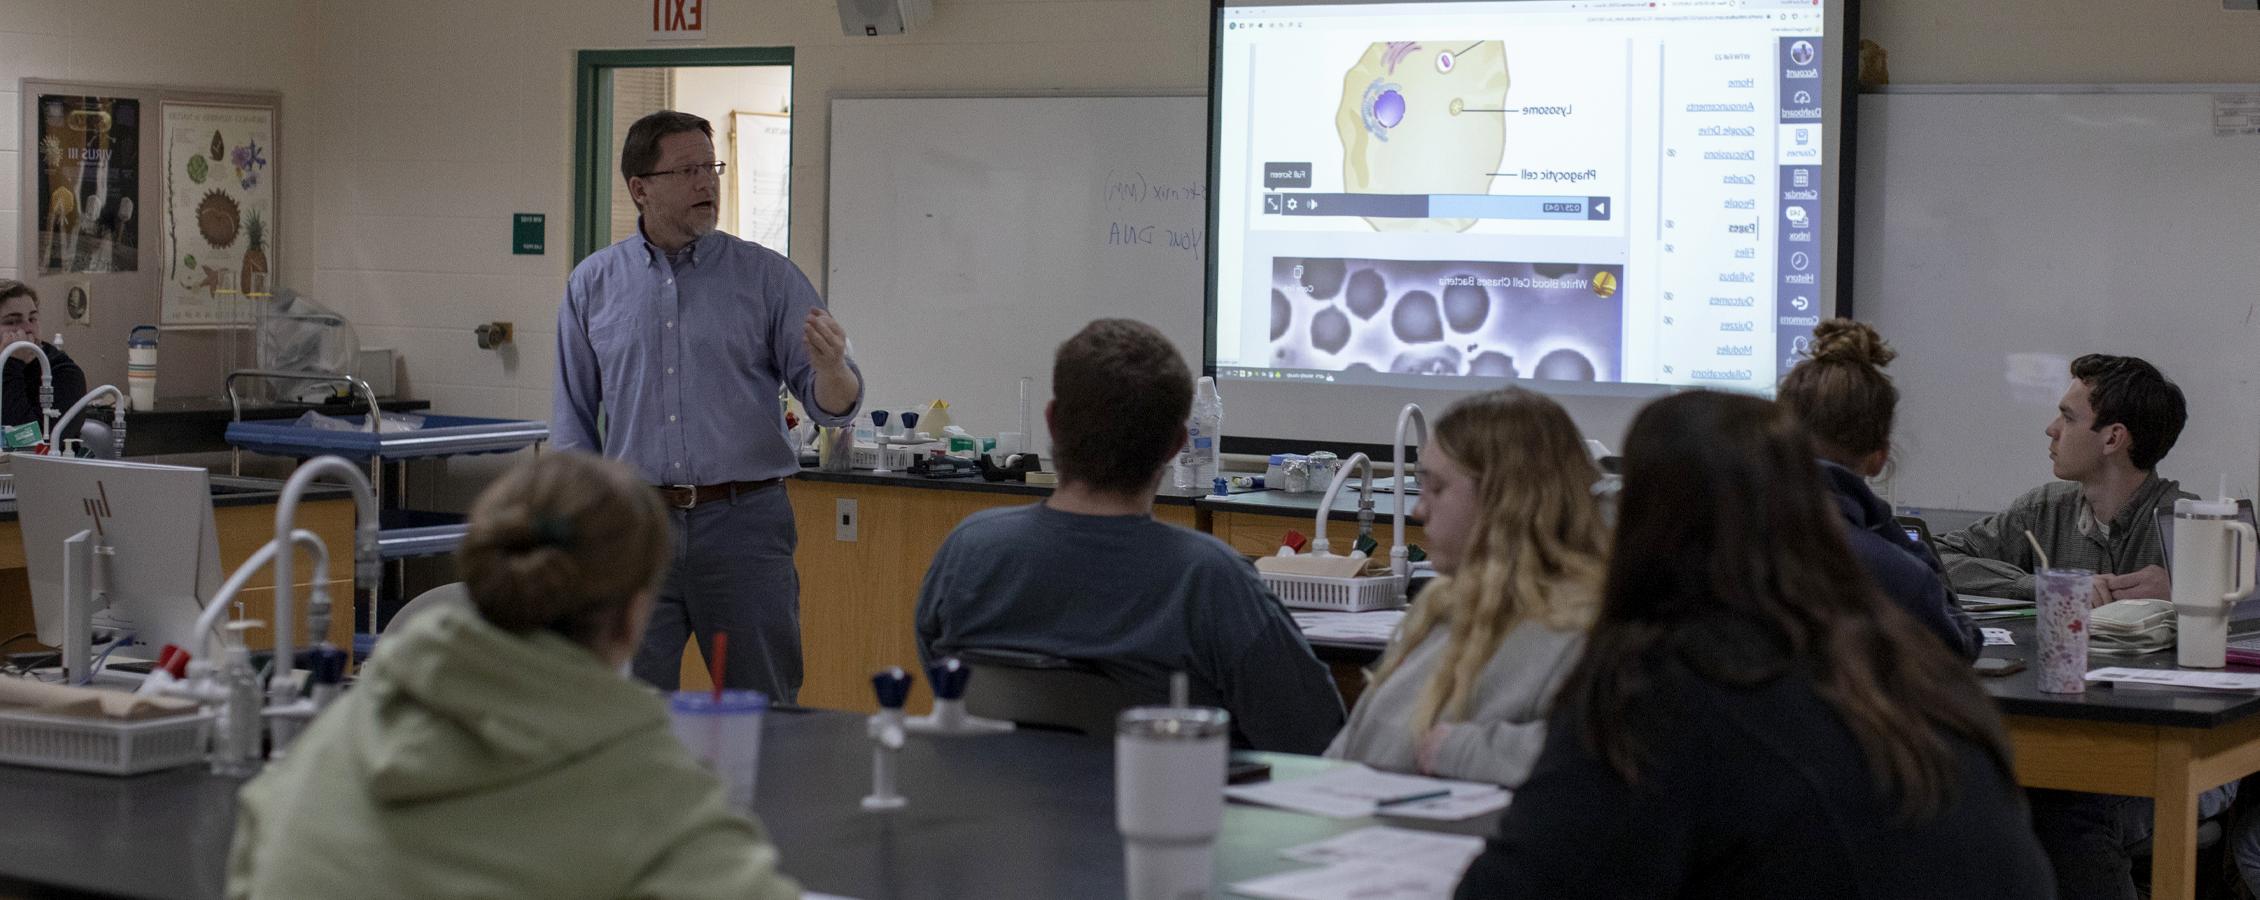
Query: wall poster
<point x="219" y="216"/>
<point x="88" y="171"/>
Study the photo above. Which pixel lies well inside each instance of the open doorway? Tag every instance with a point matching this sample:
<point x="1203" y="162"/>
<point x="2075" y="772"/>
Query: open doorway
<point x="745" y="93"/>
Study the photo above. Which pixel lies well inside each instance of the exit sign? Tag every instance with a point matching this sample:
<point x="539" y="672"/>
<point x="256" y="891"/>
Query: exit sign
<point x="678" y="20"/>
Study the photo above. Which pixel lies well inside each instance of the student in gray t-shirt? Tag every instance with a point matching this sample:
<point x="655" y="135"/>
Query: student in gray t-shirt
<point x="1088" y="574"/>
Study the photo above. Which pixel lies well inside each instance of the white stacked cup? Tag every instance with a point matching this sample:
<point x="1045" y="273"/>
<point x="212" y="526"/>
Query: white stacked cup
<point x="141" y="367"/>
<point x="724" y="735"/>
<point x="1169" y="767"/>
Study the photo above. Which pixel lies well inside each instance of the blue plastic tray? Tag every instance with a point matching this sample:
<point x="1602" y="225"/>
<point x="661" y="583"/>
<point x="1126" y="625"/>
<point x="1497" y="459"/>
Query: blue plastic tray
<point x="410" y="533"/>
<point x="440" y="436"/>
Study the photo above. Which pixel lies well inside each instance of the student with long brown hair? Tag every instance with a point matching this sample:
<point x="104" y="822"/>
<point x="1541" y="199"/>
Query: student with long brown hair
<point x="1846" y="403"/>
<point x="1507" y="506"/>
<point x="1748" y="722"/>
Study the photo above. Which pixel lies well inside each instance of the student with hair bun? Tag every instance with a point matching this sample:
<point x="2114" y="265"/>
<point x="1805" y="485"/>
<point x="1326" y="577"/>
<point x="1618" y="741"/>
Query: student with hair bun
<point x="1846" y="404"/>
<point x="495" y="748"/>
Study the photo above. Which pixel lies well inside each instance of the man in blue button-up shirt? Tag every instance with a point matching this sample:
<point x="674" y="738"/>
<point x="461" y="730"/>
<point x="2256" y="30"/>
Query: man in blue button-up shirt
<point x="682" y="335"/>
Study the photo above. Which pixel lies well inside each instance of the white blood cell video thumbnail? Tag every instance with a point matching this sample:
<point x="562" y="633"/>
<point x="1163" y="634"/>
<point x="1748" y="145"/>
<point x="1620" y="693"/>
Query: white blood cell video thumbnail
<point x="1552" y="321"/>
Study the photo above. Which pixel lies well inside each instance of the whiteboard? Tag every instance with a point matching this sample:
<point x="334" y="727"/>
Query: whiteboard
<point x="969" y="236"/>
<point x="1999" y="235"/>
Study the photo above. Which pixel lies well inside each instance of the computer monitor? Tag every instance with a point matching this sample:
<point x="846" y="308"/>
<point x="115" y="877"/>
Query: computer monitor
<point x="157" y="556"/>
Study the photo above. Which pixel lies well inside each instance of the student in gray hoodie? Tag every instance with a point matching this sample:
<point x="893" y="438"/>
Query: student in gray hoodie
<point x="1506" y="501"/>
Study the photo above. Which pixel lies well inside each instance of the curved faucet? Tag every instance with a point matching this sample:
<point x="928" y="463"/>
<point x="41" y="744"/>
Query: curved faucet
<point x="207" y="622"/>
<point x="1400" y="563"/>
<point x="117" y="417"/>
<point x="1320" y="545"/>
<point x="366" y="565"/>
<point x="46" y="381"/>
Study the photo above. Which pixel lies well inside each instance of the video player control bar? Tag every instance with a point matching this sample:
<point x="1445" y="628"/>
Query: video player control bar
<point x="1439" y="206"/>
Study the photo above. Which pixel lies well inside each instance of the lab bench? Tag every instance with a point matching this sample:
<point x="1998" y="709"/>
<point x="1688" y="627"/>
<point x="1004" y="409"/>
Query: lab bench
<point x="859" y="581"/>
<point x="860" y="570"/>
<point x="243" y="510"/>
<point x="1027" y="813"/>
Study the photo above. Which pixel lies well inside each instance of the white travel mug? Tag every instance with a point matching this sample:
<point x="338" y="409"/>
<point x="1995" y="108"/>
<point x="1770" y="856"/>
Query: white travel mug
<point x="1169" y="767"/>
<point x="2213" y="568"/>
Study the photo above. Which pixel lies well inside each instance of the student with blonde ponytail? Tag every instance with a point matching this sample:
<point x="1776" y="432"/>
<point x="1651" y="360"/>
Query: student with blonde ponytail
<point x="1507" y="505"/>
<point x="495" y="749"/>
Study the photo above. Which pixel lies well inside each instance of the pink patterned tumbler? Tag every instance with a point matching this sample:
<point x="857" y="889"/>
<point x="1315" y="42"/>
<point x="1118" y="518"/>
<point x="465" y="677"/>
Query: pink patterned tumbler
<point x="2062" y="597"/>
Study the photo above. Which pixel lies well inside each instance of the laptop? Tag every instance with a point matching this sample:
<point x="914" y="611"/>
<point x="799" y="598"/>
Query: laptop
<point x="1918" y="531"/>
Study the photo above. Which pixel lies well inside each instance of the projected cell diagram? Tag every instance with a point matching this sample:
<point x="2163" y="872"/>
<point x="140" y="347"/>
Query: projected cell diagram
<point x="1551" y="321"/>
<point x="1422" y="117"/>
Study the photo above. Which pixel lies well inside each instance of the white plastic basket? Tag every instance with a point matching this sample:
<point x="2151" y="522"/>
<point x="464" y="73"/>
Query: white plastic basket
<point x="1332" y="594"/>
<point x="106" y="746"/>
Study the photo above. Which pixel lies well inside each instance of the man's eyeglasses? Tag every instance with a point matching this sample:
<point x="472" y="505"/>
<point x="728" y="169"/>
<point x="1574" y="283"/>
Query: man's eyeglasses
<point x="713" y="168"/>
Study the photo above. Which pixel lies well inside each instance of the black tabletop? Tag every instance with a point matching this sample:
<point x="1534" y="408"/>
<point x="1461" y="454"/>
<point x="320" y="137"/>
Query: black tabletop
<point x="974" y="484"/>
<point x="2019" y="695"/>
<point x="232" y="490"/>
<point x="1028" y="814"/>
<point x="1278" y="503"/>
<point x="217" y="409"/>
<point x="200" y="424"/>
<point x="160" y="835"/>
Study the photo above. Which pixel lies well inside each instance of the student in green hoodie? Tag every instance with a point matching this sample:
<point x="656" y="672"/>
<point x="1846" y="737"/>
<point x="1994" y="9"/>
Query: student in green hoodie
<point x="494" y="749"/>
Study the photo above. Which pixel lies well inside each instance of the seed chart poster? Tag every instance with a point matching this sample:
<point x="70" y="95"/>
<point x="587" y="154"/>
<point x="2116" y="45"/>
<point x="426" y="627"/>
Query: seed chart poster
<point x="219" y="227"/>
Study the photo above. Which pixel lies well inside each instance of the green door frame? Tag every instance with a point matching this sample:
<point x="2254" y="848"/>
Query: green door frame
<point x="592" y="123"/>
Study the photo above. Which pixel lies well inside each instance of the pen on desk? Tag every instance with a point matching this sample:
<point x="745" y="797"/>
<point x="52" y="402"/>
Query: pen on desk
<point x="1439" y="793"/>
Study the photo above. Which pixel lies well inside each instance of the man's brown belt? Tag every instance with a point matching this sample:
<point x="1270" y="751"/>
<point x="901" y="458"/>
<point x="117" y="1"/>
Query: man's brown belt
<point x="686" y="496"/>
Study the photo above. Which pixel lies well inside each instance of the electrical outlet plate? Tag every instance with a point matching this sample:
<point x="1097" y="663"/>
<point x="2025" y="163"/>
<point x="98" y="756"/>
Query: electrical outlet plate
<point x="844" y="522"/>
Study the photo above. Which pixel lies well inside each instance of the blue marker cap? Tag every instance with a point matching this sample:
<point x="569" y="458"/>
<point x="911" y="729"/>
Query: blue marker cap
<point x="1221" y="487"/>
<point x="892" y="684"/>
<point x="949" y="676"/>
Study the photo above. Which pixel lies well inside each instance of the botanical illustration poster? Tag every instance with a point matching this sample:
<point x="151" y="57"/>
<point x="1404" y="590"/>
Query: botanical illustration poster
<point x="88" y="183"/>
<point x="219" y="234"/>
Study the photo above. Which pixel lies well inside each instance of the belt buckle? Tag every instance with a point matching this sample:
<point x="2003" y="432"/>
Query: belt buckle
<point x="689" y="490"/>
